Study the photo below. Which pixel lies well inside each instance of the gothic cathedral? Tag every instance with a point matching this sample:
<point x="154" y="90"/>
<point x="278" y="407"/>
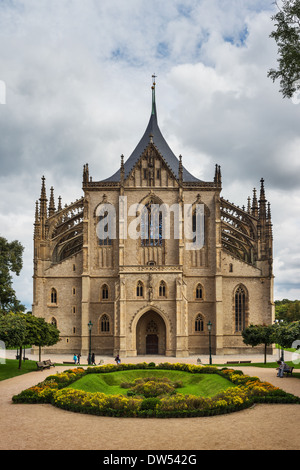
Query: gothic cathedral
<point x="144" y="291"/>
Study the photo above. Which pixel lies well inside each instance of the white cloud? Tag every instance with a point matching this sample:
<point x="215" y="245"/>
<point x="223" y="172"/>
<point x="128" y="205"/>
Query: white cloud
<point x="78" y="77"/>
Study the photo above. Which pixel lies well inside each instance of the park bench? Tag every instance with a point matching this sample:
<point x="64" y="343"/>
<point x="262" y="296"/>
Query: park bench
<point x="232" y="362"/>
<point x="49" y="362"/>
<point x="41" y="365"/>
<point x="245" y="362"/>
<point x="288" y="370"/>
<point x="44" y="364"/>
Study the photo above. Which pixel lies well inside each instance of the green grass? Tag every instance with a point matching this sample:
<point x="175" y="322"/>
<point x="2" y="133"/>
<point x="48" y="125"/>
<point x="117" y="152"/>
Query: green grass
<point x="205" y="385"/>
<point x="11" y="368"/>
<point x="268" y="365"/>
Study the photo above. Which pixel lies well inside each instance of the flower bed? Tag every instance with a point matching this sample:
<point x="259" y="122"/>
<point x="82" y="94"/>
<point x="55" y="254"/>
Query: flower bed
<point x="150" y="398"/>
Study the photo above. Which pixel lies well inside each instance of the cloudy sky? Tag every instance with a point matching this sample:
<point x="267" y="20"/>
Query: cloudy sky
<point x="75" y="88"/>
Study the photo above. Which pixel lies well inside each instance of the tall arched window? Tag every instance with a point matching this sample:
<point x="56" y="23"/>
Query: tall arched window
<point x="105" y="228"/>
<point x="162" y="289"/>
<point x="199" y="323"/>
<point x="199" y="292"/>
<point x="151" y="225"/>
<point x="240" y="308"/>
<point x="104" y="324"/>
<point x="198" y="226"/>
<point x="104" y="292"/>
<point x="53" y="321"/>
<point x="53" y="296"/>
<point x="139" y="289"/>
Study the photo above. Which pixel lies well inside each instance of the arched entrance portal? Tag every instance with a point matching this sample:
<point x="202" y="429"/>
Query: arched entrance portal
<point x="151" y="334"/>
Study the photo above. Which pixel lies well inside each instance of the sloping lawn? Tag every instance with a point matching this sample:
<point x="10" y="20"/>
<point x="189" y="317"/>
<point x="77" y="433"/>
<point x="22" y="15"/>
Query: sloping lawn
<point x="11" y="368"/>
<point x="205" y="385"/>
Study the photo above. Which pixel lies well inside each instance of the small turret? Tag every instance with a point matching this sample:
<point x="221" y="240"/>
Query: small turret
<point x="36" y="221"/>
<point x="249" y="205"/>
<point x="85" y="175"/>
<point x="254" y="204"/>
<point x="51" y="208"/>
<point x="262" y="201"/>
<point x="43" y="209"/>
<point x="269" y="222"/>
<point x="59" y="207"/>
<point x="218" y="177"/>
<point x="43" y="200"/>
<point x="122" y="171"/>
<point x="180" y="170"/>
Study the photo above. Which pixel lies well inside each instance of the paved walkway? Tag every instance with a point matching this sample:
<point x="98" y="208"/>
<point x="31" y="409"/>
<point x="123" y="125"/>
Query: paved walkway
<point x="262" y="427"/>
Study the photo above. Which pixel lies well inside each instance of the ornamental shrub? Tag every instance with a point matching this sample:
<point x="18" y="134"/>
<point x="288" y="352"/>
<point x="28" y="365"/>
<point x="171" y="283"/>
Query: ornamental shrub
<point x="151" y="387"/>
<point x="149" y="403"/>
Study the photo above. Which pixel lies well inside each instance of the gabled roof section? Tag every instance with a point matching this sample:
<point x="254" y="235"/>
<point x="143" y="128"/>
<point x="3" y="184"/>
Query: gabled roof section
<point x="153" y="134"/>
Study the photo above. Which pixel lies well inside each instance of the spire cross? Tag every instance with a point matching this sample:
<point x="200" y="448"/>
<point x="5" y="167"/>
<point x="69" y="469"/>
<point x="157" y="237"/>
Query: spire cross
<point x="154" y="77"/>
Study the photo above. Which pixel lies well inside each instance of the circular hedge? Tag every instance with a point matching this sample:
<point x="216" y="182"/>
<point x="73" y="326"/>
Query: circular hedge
<point x="153" y="398"/>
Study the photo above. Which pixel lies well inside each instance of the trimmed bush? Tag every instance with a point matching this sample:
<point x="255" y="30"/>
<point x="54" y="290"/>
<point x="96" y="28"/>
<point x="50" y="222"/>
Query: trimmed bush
<point x="149" y="403"/>
<point x="151" y="387"/>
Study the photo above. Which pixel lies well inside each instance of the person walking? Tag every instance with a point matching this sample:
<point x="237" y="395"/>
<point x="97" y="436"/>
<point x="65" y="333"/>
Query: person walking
<point x="93" y="360"/>
<point x="78" y="358"/>
<point x="117" y="359"/>
<point x="75" y="358"/>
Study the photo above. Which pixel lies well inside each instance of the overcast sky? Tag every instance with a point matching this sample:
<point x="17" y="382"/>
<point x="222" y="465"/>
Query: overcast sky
<point x="75" y="88"/>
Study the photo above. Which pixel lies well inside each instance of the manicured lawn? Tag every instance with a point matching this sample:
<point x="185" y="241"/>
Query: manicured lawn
<point x="268" y="365"/>
<point x="205" y="385"/>
<point x="11" y="368"/>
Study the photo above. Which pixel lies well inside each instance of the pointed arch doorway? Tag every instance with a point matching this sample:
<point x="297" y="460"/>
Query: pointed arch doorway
<point x="151" y="334"/>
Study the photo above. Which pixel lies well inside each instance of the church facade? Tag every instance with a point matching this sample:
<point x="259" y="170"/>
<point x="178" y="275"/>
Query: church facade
<point x="114" y="276"/>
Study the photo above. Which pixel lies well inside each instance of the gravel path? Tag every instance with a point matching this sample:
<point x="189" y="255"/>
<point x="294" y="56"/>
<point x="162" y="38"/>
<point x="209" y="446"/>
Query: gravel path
<point x="32" y="427"/>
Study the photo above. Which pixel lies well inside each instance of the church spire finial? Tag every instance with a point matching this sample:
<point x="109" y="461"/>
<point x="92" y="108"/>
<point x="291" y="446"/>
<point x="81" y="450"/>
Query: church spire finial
<point x="36" y="220"/>
<point x="43" y="199"/>
<point x="254" y="204"/>
<point x="262" y="200"/>
<point x="153" y="95"/>
<point x="52" y="203"/>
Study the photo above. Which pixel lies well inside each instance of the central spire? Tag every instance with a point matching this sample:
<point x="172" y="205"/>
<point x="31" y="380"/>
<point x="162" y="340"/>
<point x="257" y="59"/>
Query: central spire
<point x="153" y="95"/>
<point x="153" y="135"/>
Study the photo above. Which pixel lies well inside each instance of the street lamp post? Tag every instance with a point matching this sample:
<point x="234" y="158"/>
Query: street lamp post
<point x="281" y="356"/>
<point x="90" y="326"/>
<point x="209" y="327"/>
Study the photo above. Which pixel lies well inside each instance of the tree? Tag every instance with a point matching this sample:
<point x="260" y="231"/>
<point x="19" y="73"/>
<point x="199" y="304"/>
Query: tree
<point x="46" y="334"/>
<point x="16" y="330"/>
<point x="287" y="310"/>
<point x="287" y="37"/>
<point x="259" y="334"/>
<point x="13" y="331"/>
<point x="286" y="334"/>
<point x="10" y="262"/>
